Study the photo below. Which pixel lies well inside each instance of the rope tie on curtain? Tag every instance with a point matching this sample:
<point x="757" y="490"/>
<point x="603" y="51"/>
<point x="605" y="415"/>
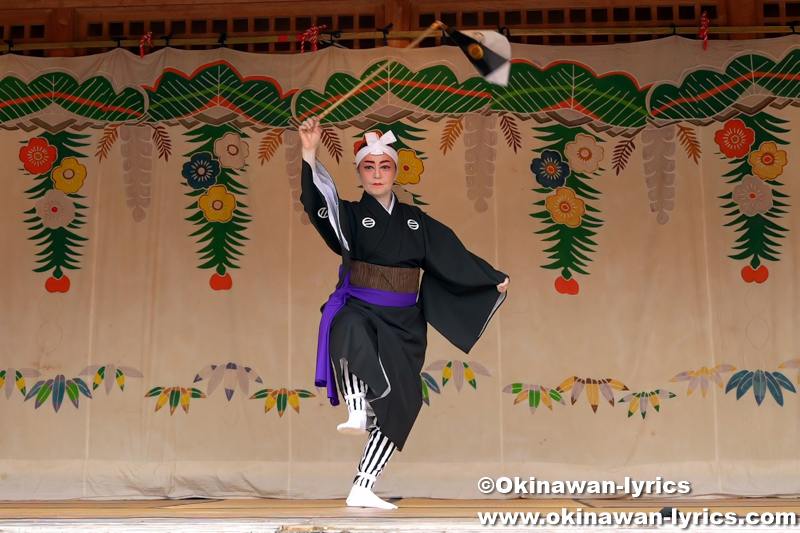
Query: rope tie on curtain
<point x="704" y="29"/>
<point x="312" y="36"/>
<point x="147" y="38"/>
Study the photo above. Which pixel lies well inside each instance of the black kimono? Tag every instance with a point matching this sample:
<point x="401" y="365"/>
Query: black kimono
<point x="385" y="346"/>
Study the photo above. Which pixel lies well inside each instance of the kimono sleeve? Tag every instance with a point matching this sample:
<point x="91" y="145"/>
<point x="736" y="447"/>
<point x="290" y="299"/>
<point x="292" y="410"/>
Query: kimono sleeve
<point x="458" y="293"/>
<point x="322" y="204"/>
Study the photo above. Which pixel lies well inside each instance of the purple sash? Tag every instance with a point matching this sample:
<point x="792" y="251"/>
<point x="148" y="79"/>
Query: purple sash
<point x="325" y="374"/>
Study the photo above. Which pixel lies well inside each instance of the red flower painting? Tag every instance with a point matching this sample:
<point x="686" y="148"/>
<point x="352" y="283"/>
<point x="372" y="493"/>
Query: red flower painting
<point x="735" y="139"/>
<point x="38" y="157"/>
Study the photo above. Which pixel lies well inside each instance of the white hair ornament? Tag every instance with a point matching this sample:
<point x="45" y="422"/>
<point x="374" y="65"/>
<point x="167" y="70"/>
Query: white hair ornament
<point x="377" y="145"/>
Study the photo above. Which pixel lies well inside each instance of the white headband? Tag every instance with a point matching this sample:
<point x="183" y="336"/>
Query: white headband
<point x="377" y="146"/>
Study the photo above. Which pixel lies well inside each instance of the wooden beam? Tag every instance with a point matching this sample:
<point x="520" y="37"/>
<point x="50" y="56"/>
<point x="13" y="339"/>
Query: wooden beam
<point x="744" y="13"/>
<point x="62" y="29"/>
<point x="397" y="13"/>
<point x="724" y="30"/>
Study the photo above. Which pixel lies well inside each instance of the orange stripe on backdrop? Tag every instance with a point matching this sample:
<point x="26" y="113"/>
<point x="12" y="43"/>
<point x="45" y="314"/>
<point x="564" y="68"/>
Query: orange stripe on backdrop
<point x="582" y="65"/>
<point x="222" y="62"/>
<point x="219" y="101"/>
<point x="574" y="105"/>
<point x="716" y="90"/>
<point x="443" y="88"/>
<point x="318" y="107"/>
<point x="405" y="83"/>
<point x="70" y="98"/>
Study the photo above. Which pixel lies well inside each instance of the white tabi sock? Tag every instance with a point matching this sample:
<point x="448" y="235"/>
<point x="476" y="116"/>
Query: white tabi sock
<point x="377" y="452"/>
<point x="355" y="393"/>
<point x="361" y="497"/>
<point x="357" y="418"/>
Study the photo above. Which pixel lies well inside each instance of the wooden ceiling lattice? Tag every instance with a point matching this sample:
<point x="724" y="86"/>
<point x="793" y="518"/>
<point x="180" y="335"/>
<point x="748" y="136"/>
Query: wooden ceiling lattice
<point x="70" y="21"/>
<point x="25" y="26"/>
<point x="105" y="25"/>
<point x="521" y="16"/>
<point x="780" y="13"/>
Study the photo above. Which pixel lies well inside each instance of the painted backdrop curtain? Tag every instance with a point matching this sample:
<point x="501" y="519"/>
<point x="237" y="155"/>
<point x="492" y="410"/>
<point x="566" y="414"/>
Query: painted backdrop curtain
<point x="161" y="284"/>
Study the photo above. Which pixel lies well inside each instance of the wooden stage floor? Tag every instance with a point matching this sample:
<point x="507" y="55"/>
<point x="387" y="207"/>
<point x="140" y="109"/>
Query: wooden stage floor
<point x="332" y="516"/>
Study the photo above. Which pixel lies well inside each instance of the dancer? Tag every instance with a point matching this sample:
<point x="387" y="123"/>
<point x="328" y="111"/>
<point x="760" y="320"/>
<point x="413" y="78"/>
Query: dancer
<point x="373" y="331"/>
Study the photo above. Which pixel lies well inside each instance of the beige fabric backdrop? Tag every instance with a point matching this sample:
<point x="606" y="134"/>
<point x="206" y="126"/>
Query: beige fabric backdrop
<point x="658" y="299"/>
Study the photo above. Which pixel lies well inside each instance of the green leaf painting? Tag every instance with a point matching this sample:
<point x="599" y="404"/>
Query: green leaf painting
<point x="613" y="99"/>
<point x="58" y="213"/>
<point x="761" y="382"/>
<point x="756" y="203"/>
<point x="709" y="92"/>
<point x="94" y="99"/>
<point x="56" y="389"/>
<point x="563" y="170"/>
<point x="281" y="398"/>
<point x="218" y="85"/>
<point x="212" y="180"/>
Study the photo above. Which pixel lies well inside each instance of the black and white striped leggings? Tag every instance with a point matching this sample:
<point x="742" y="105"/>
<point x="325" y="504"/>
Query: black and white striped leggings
<point x="379" y="448"/>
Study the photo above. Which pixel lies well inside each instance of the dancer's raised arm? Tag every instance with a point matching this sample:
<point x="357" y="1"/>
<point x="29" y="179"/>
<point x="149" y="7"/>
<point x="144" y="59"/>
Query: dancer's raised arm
<point x="310" y="136"/>
<point x="319" y="196"/>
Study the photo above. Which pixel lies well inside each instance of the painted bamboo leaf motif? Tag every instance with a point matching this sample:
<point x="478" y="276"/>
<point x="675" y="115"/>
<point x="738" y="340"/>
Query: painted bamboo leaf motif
<point x="458" y="371"/>
<point x="281" y="398"/>
<point x="108" y="374"/>
<point x="428" y="384"/>
<point x="761" y="382"/>
<point x="702" y="377"/>
<point x="40" y="391"/>
<point x="639" y="401"/>
<point x="258" y="99"/>
<point x="174" y="397"/>
<point x="229" y="375"/>
<point x="594" y="389"/>
<point x="613" y="99"/>
<point x="56" y="389"/>
<point x="707" y="93"/>
<point x="59" y="388"/>
<point x="535" y="395"/>
<point x="12" y="377"/>
<point x="94" y="99"/>
<point x="791" y="363"/>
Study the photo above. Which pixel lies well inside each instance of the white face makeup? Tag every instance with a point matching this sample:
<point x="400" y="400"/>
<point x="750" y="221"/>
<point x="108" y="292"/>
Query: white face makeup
<point x="377" y="174"/>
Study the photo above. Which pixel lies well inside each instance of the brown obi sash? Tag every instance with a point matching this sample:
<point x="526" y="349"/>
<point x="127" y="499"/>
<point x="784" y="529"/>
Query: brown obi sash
<point x="384" y="278"/>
